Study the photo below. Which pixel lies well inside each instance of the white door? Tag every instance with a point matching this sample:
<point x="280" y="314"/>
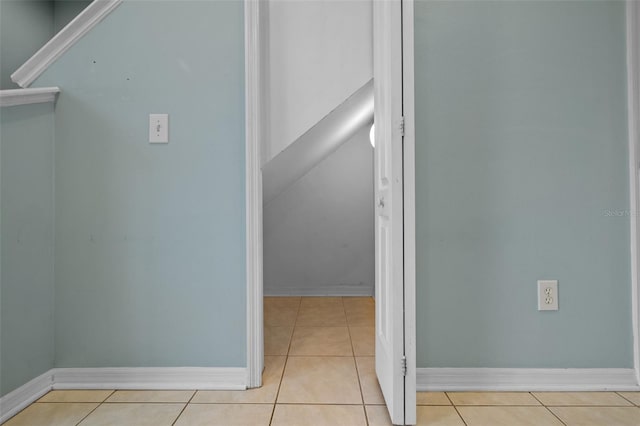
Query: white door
<point x="387" y="74"/>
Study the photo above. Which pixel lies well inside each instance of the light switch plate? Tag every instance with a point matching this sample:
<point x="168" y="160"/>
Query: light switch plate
<point x="159" y="128"/>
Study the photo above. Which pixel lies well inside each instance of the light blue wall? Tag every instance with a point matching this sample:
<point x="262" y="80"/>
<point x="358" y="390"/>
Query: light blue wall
<point x="65" y="10"/>
<point x="521" y="158"/>
<point x="26" y="227"/>
<point x="150" y="239"/>
<point x="25" y="26"/>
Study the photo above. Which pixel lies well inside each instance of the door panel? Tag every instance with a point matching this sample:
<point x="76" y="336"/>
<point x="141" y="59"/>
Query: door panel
<point x="387" y="69"/>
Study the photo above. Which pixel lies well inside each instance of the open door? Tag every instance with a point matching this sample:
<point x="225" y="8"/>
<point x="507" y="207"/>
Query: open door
<point x="391" y="361"/>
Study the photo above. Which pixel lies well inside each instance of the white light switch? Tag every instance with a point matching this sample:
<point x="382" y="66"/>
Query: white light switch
<point x="159" y="128"/>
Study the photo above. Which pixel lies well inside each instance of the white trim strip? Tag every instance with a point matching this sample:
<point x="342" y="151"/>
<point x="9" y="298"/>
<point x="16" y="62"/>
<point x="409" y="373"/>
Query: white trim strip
<point x="321" y="290"/>
<point x="409" y="199"/>
<point x="17" y="400"/>
<point x="253" y="121"/>
<point x="152" y="378"/>
<point x="526" y="379"/>
<point x="61" y="42"/>
<point x="13" y="97"/>
<point x="633" y="99"/>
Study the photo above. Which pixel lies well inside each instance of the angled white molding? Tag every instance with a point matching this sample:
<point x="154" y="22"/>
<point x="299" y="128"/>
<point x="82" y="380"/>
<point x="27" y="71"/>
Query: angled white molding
<point x="153" y="378"/>
<point x="14" y="97"/>
<point x="317" y="143"/>
<point x="18" y="399"/>
<point x="526" y="379"/>
<point x="61" y="42"/>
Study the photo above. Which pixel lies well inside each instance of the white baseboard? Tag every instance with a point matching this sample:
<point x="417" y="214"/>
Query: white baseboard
<point x="18" y="399"/>
<point x="161" y="378"/>
<point x="320" y="290"/>
<point x="428" y="379"/>
<point x="526" y="379"/>
<point x="151" y="378"/>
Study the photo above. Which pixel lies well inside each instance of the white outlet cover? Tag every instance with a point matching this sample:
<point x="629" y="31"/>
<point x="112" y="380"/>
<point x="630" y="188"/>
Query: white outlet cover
<point x="548" y="295"/>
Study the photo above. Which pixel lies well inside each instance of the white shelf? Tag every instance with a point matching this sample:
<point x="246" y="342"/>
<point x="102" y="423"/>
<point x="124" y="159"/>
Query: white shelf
<point x="28" y="96"/>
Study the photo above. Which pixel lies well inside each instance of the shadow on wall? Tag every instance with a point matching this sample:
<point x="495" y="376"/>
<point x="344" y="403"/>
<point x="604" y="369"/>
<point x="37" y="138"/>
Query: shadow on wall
<point x="319" y="233"/>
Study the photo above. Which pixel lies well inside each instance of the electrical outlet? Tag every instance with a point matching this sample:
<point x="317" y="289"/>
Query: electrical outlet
<point x="548" y="295"/>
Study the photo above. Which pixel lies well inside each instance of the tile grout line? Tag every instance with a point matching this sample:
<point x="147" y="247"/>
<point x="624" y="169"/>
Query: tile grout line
<point x="125" y="402"/>
<point x="455" y="407"/>
<point x="627" y="399"/>
<point x="96" y="407"/>
<point x="529" y="405"/>
<point x="589" y="406"/>
<point x="323" y="404"/>
<point x="185" y="407"/>
<point x="353" y="350"/>
<point x="547" y="408"/>
<point x="554" y="415"/>
<point x="286" y="359"/>
<point x="355" y="362"/>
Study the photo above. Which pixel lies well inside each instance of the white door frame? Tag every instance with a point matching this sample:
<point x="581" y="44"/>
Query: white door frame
<point x="409" y="208"/>
<point x="255" y="32"/>
<point x="254" y="28"/>
<point x="254" y="123"/>
<point x="633" y="99"/>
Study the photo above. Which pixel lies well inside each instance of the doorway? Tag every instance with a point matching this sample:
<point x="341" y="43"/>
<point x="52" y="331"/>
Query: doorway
<point x="400" y="309"/>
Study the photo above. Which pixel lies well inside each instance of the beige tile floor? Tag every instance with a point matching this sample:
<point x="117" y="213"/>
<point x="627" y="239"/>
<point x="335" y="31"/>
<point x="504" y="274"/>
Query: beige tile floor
<point x="319" y="370"/>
